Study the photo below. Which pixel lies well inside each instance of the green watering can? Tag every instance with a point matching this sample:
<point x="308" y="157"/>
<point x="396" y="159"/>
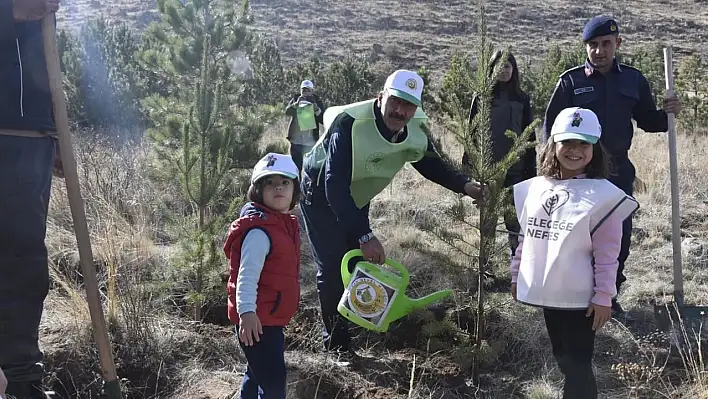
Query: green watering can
<point x="306" y="116"/>
<point x="373" y="298"/>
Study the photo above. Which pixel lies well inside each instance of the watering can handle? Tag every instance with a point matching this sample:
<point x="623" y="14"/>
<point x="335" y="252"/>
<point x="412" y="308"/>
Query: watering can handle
<point x="347" y="276"/>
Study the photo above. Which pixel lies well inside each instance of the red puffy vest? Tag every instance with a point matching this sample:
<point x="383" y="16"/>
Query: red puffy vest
<point x="279" y="283"/>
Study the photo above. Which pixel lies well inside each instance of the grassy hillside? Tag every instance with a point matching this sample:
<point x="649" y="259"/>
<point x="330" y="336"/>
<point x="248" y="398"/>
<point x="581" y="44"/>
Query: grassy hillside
<point x="135" y="221"/>
<point x="415" y="33"/>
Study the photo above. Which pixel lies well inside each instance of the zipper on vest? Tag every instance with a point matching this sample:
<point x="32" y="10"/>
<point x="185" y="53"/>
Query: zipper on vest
<point x="22" y="83"/>
<point x="278" y="298"/>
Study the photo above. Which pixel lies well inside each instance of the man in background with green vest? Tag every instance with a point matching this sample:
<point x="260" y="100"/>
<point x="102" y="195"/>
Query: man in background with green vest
<point x="365" y="145"/>
<point x="305" y="111"/>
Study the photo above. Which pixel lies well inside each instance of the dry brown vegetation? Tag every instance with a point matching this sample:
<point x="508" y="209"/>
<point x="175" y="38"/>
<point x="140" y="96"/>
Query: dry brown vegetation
<point x="135" y="222"/>
<point x="416" y="33"/>
<point x="160" y="354"/>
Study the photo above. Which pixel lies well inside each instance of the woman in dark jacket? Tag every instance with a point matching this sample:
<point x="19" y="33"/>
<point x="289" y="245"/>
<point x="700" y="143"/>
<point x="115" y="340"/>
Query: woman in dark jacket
<point x="511" y="110"/>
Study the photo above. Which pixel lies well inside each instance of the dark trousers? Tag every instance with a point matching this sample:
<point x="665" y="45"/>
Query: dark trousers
<point x="297" y="152"/>
<point x="624" y="252"/>
<point x="25" y="185"/>
<point x="573" y="342"/>
<point x="512" y="226"/>
<point x="266" y="375"/>
<point x="626" y="185"/>
<point x="510" y="220"/>
<point x="329" y="242"/>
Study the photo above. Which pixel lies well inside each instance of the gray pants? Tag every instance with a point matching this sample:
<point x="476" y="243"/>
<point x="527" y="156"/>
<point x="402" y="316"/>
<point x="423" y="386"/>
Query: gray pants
<point x="297" y="152"/>
<point x="25" y="185"/>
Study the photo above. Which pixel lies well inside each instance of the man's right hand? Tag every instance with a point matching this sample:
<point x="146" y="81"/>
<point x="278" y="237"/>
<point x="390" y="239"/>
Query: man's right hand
<point x="33" y="10"/>
<point x="374" y="251"/>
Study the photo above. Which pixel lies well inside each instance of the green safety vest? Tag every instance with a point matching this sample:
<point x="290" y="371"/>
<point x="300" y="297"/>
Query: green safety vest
<point x="306" y="116"/>
<point x="375" y="160"/>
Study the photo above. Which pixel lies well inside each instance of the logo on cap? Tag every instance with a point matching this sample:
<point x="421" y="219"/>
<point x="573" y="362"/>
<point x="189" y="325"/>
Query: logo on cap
<point x="576" y="120"/>
<point x="411" y="83"/>
<point x="271" y="161"/>
<point x="613" y="27"/>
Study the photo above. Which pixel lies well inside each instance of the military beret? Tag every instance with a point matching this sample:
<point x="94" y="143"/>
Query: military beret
<point x="599" y="26"/>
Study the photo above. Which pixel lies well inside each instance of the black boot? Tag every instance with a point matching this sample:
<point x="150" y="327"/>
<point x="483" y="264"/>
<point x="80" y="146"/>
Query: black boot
<point x="616" y="308"/>
<point x="26" y="390"/>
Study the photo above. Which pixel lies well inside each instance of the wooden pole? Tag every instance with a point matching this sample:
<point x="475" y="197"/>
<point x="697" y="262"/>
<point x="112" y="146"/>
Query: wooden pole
<point x="100" y="333"/>
<point x="673" y="167"/>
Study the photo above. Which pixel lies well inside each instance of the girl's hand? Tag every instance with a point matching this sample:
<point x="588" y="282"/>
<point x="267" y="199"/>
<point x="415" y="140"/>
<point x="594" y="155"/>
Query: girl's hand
<point x="602" y="315"/>
<point x="513" y="290"/>
<point x="249" y="328"/>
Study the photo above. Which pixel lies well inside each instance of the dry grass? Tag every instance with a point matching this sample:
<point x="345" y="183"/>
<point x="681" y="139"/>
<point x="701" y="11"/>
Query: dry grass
<point x="135" y="222"/>
<point x="415" y="33"/>
<point x="161" y="355"/>
<point x="651" y="260"/>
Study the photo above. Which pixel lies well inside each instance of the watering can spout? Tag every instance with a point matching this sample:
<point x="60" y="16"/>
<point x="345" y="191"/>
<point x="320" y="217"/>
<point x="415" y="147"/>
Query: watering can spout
<point x="373" y="298"/>
<point x="430" y="299"/>
<point x="408" y="305"/>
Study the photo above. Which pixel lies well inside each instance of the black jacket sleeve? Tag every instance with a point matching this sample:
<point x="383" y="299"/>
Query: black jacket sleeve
<point x="560" y="100"/>
<point x="645" y="113"/>
<point x="527" y="116"/>
<point x="473" y="113"/>
<point x="320" y="118"/>
<point x="290" y="109"/>
<point x="338" y="178"/>
<point x="435" y="169"/>
<point x="7" y="21"/>
<point x="529" y="157"/>
<point x="473" y="107"/>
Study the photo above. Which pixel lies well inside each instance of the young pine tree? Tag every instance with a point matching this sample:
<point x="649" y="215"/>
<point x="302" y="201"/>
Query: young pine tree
<point x="200" y="134"/>
<point x="265" y="85"/>
<point x="539" y="81"/>
<point x="692" y="85"/>
<point x="457" y="84"/>
<point x="475" y="137"/>
<point x="102" y="76"/>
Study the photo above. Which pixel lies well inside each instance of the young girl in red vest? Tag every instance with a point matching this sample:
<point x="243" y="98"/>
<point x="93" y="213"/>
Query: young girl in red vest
<point x="263" y="249"/>
<point x="566" y="262"/>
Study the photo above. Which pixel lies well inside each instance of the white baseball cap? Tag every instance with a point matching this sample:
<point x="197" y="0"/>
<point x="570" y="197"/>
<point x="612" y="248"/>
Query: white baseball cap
<point x="307" y="83"/>
<point x="406" y="85"/>
<point x="275" y="164"/>
<point x="576" y="124"/>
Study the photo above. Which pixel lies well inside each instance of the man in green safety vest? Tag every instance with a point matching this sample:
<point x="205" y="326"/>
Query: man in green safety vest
<point x="365" y="145"/>
<point x="305" y="112"/>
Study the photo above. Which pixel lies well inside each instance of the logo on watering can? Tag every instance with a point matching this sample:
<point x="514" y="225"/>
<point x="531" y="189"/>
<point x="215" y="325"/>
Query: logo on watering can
<point x="373" y="297"/>
<point x="368" y="297"/>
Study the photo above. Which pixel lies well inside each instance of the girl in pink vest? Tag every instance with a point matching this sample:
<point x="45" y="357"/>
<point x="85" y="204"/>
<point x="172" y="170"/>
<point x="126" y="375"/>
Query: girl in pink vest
<point x="566" y="262"/>
<point x="263" y="249"/>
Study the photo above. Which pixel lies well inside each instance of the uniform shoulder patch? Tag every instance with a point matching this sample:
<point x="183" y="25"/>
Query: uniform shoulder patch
<point x="571" y="70"/>
<point x="623" y="65"/>
<point x="630" y="70"/>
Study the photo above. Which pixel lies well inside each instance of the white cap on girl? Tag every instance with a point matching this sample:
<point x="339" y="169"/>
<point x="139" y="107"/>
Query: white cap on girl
<point x="275" y="164"/>
<point x="576" y="124"/>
